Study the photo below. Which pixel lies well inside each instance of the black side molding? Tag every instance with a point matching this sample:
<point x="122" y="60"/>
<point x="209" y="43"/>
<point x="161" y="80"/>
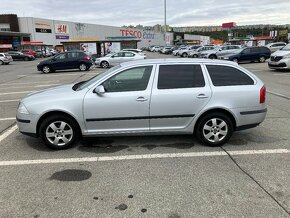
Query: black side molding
<point x="22" y="121"/>
<point x="34" y="135"/>
<point x="253" y="112"/>
<point x="239" y="128"/>
<point x="140" y="118"/>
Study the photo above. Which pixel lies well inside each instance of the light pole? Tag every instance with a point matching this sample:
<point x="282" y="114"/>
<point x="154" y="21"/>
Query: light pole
<point x="165" y="27"/>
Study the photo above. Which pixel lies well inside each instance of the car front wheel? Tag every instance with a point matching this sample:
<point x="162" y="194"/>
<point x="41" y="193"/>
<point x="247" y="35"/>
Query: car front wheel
<point x="104" y="64"/>
<point x="83" y="67"/>
<point x="214" y="129"/>
<point x="59" y="132"/>
<point x="262" y="59"/>
<point x="46" y="69"/>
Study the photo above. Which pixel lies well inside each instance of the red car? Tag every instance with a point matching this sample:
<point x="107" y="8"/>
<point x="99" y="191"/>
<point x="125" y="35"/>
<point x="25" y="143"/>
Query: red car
<point x="29" y="52"/>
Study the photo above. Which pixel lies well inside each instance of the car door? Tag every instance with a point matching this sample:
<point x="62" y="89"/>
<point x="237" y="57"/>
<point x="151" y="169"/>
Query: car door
<point x="117" y="58"/>
<point x="128" y="56"/>
<point x="72" y="60"/>
<point x="179" y="93"/>
<point x="124" y="107"/>
<point x="59" y="62"/>
<point x="246" y="55"/>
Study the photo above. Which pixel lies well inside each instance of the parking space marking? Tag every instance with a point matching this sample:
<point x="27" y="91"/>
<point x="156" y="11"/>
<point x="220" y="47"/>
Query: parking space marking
<point x="13" y="93"/>
<point x="7" y="132"/>
<point x="5" y="119"/>
<point x="9" y="84"/>
<point x="140" y="157"/>
<point x="12" y="100"/>
<point x="280" y="95"/>
<point x="65" y="74"/>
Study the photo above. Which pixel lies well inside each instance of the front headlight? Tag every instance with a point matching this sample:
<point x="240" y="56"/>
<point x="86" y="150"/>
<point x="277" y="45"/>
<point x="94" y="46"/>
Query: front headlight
<point x="22" y="109"/>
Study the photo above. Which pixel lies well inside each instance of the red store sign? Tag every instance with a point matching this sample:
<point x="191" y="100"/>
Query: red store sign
<point x="136" y="33"/>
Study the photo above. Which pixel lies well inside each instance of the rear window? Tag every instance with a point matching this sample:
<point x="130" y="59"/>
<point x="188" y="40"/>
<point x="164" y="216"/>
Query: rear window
<point x="228" y="76"/>
<point x="180" y="76"/>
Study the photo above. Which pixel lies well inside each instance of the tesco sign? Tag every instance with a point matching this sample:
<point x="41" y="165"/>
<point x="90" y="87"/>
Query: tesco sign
<point x="137" y="33"/>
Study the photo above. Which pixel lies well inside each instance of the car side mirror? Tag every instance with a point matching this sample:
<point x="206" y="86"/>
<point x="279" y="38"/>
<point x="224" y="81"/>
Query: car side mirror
<point x="100" y="90"/>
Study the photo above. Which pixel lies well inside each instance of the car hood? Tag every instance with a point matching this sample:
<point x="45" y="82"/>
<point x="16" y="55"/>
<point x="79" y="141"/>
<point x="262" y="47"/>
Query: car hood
<point x="281" y="53"/>
<point x="50" y="92"/>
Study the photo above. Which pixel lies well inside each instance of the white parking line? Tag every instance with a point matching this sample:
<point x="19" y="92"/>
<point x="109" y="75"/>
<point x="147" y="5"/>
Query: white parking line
<point x="140" y="157"/>
<point x="278" y="94"/>
<point x="12" y="100"/>
<point x="7" y="132"/>
<point x="9" y="84"/>
<point x="5" y="119"/>
<point x="13" y="93"/>
<point x="34" y="86"/>
<point x="64" y="74"/>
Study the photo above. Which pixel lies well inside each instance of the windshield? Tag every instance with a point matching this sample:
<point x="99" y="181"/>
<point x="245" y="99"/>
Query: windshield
<point x="97" y="77"/>
<point x="286" y="48"/>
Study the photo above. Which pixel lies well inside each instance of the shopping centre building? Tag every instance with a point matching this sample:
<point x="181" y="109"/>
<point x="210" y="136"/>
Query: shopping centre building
<point x="38" y="33"/>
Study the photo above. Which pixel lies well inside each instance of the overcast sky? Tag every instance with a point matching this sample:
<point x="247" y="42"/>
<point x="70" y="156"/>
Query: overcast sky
<point x="150" y="12"/>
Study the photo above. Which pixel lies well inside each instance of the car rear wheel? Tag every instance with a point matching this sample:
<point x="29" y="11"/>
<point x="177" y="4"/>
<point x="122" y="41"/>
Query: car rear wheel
<point x="104" y="64"/>
<point x="214" y="129"/>
<point x="262" y="59"/>
<point x="26" y="59"/>
<point x="7" y="63"/>
<point x="59" y="132"/>
<point x="212" y="57"/>
<point x="195" y="56"/>
<point x="184" y="55"/>
<point x="46" y="69"/>
<point x="1" y="62"/>
<point x="83" y="67"/>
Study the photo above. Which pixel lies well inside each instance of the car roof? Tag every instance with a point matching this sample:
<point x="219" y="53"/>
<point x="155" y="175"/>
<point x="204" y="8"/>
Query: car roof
<point x="177" y="61"/>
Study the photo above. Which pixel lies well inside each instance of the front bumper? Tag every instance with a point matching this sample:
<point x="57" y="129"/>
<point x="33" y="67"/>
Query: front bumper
<point x="27" y="123"/>
<point x="282" y="64"/>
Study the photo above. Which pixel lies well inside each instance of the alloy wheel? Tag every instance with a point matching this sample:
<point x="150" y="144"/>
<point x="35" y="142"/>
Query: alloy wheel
<point x="46" y="69"/>
<point x="59" y="133"/>
<point x="83" y="67"/>
<point x="215" y="130"/>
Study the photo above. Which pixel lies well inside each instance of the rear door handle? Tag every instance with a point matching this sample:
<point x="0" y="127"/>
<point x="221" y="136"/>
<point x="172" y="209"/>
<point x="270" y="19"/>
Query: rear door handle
<point x="201" y="96"/>
<point x="141" y="99"/>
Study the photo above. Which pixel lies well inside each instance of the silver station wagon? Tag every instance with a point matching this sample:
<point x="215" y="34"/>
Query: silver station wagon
<point x="210" y="98"/>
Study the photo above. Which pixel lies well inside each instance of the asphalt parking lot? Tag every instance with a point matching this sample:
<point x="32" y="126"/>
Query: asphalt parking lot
<point x="157" y="176"/>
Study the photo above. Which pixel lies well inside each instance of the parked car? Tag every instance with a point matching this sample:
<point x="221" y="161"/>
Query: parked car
<point x="117" y="58"/>
<point x="196" y="53"/>
<point x="140" y="52"/>
<point x="280" y="59"/>
<point x="66" y="60"/>
<point x="185" y="52"/>
<point x="275" y="46"/>
<point x="251" y="54"/>
<point x="155" y="48"/>
<point x="16" y="55"/>
<point x="210" y="99"/>
<point x="213" y="54"/>
<point x="5" y="59"/>
<point x="167" y="50"/>
<point x="175" y="52"/>
<point x="29" y="52"/>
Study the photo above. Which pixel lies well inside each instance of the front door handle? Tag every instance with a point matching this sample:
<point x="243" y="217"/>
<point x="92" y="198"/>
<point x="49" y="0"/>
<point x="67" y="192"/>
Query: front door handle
<point x="201" y="96"/>
<point x="141" y="99"/>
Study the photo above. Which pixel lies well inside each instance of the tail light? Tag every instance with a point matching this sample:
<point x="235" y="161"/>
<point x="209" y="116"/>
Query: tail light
<point x="262" y="95"/>
<point x="86" y="58"/>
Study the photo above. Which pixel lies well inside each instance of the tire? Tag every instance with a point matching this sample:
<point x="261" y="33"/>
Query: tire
<point x="7" y="63"/>
<point x="46" y="69"/>
<point x="195" y="56"/>
<point x="59" y="132"/>
<point x="184" y="55"/>
<point x="83" y="67"/>
<point x="212" y="57"/>
<point x="105" y="64"/>
<point x="262" y="59"/>
<point x="214" y="129"/>
<point x="2" y="62"/>
<point x="26" y="59"/>
<point x="235" y="60"/>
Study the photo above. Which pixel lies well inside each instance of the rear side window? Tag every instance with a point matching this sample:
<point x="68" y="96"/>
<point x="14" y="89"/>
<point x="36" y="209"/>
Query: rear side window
<point x="180" y="76"/>
<point x="228" y="76"/>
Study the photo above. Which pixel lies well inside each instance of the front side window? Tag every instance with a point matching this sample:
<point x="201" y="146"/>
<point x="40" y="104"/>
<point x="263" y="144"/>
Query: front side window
<point x="117" y="55"/>
<point x="129" y="54"/>
<point x="180" y="76"/>
<point x="134" y="79"/>
<point x="60" y="57"/>
<point x="228" y="76"/>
